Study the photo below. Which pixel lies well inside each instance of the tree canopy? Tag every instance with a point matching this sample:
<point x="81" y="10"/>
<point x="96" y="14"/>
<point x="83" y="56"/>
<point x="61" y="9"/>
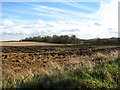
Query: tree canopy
<point x="62" y="39"/>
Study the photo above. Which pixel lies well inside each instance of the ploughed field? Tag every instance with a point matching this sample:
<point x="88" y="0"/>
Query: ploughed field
<point x="35" y="58"/>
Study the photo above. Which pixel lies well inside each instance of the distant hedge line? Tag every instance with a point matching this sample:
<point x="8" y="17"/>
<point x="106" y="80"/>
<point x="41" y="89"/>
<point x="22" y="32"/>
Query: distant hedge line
<point x="110" y="41"/>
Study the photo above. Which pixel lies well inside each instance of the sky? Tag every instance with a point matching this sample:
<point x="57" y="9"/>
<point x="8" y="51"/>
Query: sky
<point x="86" y="20"/>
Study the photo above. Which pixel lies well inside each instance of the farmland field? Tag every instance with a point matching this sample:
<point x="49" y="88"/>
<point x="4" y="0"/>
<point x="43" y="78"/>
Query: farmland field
<point x="22" y="62"/>
<point x="27" y="44"/>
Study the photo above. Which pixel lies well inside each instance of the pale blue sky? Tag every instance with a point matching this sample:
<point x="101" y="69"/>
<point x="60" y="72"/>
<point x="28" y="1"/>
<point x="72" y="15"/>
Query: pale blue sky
<point x="86" y="20"/>
<point x="33" y="10"/>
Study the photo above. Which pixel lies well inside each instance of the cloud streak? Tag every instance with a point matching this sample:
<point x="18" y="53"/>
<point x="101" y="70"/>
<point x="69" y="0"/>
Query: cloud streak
<point x="75" y="4"/>
<point x="57" y="11"/>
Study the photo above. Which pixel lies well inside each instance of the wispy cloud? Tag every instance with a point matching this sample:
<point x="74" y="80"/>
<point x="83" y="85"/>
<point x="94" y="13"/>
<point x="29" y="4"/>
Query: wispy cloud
<point x="39" y="9"/>
<point x="58" y="11"/>
<point x="75" y="4"/>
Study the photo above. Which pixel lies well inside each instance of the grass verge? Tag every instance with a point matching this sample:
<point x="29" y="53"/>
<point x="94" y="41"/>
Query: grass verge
<point x="104" y="75"/>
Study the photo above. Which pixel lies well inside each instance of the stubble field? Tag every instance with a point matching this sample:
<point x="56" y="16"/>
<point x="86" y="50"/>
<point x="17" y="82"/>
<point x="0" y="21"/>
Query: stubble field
<point x="22" y="62"/>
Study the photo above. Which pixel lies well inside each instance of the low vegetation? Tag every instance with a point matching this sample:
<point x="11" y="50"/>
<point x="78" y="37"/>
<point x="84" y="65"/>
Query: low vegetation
<point x="105" y="41"/>
<point x="104" y="75"/>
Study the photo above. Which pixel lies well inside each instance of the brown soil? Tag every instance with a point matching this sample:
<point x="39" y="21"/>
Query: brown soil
<point x="19" y="61"/>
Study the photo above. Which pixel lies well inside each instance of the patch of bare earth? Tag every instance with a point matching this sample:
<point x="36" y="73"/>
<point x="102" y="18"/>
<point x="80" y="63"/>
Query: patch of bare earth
<point x="28" y="44"/>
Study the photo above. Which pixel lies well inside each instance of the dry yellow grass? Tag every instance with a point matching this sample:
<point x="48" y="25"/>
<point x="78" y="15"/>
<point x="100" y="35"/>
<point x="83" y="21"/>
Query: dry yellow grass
<point x="28" y="44"/>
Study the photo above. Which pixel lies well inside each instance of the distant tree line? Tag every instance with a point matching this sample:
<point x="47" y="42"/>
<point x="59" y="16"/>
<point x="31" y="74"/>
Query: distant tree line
<point x="63" y="39"/>
<point x="107" y="41"/>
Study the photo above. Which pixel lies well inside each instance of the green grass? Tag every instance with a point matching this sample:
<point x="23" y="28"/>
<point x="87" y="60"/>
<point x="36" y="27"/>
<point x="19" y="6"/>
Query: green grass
<point x="105" y="75"/>
<point x="83" y="43"/>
